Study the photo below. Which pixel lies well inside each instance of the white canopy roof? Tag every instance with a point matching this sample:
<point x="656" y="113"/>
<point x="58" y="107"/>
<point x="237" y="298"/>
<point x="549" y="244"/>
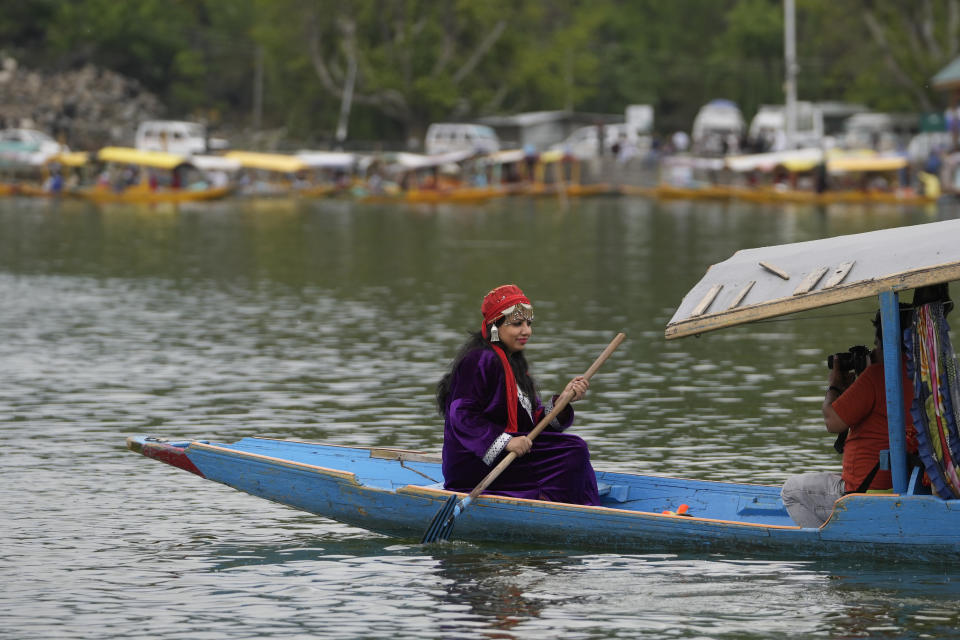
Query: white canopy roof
<point x="767" y="161"/>
<point x="419" y="161"/>
<point x="767" y="282"/>
<point x="215" y="163"/>
<point x="328" y="159"/>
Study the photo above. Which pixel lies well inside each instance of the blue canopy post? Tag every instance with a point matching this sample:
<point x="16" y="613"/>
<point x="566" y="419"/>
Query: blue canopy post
<point x="893" y="381"/>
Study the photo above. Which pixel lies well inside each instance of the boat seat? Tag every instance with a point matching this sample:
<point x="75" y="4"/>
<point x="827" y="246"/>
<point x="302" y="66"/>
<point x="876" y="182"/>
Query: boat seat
<point x="615" y="492"/>
<point x="915" y="483"/>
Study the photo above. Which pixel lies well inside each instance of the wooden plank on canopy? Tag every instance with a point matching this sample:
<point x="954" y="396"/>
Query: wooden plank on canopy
<point x="707" y="299"/>
<point x="810" y="281"/>
<point x="743" y="294"/>
<point x="774" y="270"/>
<point x="839" y="274"/>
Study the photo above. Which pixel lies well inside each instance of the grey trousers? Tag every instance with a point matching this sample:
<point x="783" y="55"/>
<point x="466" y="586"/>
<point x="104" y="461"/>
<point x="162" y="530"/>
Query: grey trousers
<point x="809" y="497"/>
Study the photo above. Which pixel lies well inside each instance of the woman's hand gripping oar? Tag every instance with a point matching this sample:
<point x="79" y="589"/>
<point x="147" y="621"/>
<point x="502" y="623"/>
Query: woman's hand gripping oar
<point x="442" y="523"/>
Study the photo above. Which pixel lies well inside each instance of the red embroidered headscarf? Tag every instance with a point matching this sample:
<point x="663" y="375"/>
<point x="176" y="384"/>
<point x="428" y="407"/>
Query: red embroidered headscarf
<point x="498" y="301"/>
<point x="494" y="304"/>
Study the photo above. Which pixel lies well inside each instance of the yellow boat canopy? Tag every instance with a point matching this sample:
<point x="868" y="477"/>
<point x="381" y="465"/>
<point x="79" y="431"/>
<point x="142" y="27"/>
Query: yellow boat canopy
<point x="846" y="164"/>
<point x="279" y="162"/>
<point x="767" y="282"/>
<point x="805" y="159"/>
<point x="554" y="155"/>
<point x="70" y="158"/>
<point x="155" y="159"/>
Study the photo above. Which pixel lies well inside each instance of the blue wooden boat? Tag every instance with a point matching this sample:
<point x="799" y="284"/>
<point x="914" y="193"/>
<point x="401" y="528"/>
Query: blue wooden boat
<point x="397" y="492"/>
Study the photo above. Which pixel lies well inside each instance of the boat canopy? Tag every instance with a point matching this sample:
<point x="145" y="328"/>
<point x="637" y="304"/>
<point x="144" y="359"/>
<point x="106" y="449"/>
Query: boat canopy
<point x="554" y="155"/>
<point x="279" y="162"/>
<point x="694" y="162"/>
<point x="328" y="159"/>
<point x="773" y="159"/>
<point x="415" y="161"/>
<point x="70" y="158"/>
<point x="215" y="163"/>
<point x="767" y="282"/>
<point x="848" y="164"/>
<point x="799" y="160"/>
<point x="509" y="156"/>
<point x="129" y="155"/>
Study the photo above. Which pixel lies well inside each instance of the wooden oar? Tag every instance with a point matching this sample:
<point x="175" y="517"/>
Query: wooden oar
<point x="442" y="523"/>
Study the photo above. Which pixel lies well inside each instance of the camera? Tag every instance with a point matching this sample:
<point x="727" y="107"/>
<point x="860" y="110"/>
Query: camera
<point x="855" y="359"/>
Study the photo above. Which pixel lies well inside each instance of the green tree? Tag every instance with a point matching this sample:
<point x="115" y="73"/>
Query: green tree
<point x="881" y="53"/>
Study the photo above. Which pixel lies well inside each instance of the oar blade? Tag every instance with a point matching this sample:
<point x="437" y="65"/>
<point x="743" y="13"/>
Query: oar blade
<point x="442" y="523"/>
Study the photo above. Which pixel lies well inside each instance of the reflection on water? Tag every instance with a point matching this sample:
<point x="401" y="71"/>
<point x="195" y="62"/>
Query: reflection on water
<point x="326" y="320"/>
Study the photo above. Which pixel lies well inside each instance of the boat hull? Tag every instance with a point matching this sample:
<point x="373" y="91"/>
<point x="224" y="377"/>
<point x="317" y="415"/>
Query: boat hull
<point x="148" y="196"/>
<point x="397" y="493"/>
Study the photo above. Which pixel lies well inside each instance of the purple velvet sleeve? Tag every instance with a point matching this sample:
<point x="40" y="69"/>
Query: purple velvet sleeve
<point x="477" y="403"/>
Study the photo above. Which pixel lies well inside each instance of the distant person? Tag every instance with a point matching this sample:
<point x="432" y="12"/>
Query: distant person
<point x="54" y="183"/>
<point x="820" y="177"/>
<point x="732" y="141"/>
<point x="627" y="150"/>
<point x="934" y="161"/>
<point x="681" y="141"/>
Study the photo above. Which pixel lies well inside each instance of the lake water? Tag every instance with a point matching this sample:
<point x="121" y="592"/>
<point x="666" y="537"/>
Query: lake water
<point x="332" y="321"/>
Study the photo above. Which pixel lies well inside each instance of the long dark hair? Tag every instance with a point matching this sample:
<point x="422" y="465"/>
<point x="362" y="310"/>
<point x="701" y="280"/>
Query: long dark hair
<point x="518" y="362"/>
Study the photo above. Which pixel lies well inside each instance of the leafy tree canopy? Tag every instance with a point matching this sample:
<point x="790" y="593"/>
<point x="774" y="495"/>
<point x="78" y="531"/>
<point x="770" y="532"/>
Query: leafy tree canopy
<point x="387" y="68"/>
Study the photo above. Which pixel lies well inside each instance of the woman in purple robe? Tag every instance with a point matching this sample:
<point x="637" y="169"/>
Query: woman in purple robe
<point x="489" y="402"/>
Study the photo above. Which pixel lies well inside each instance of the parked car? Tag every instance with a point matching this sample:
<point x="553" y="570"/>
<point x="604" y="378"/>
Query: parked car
<point x="27" y="147"/>
<point x="444" y="137"/>
<point x="718" y="128"/>
<point x="176" y="136"/>
<point x="768" y="128"/>
<point x="879" y="131"/>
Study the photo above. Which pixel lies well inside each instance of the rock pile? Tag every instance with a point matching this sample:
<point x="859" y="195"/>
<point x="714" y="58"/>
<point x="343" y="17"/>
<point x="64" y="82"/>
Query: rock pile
<point x="87" y="108"/>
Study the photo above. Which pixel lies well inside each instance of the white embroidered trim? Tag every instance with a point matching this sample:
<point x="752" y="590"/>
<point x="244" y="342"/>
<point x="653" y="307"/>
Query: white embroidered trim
<point x="496" y="448"/>
<point x="548" y="407"/>
<point x="525" y="402"/>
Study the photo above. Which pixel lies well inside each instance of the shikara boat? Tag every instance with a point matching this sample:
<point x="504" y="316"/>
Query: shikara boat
<point x="556" y="173"/>
<point x="397" y="492"/>
<point x="441" y="178"/>
<point x="271" y="175"/>
<point x="148" y="177"/>
<point x="854" y="174"/>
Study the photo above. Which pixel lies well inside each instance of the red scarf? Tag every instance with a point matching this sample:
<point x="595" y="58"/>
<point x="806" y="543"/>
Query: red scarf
<point x="513" y="398"/>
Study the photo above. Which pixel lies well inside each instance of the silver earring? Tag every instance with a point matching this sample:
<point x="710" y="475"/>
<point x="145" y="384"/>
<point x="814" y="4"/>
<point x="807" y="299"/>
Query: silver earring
<point x="494" y="334"/>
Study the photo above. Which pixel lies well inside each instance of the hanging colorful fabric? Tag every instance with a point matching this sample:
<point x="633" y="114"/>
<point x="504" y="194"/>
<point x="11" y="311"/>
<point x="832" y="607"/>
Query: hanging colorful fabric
<point x="933" y="406"/>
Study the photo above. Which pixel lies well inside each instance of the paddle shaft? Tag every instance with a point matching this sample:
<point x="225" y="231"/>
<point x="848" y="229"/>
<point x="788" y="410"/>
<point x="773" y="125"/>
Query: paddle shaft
<point x="561" y="404"/>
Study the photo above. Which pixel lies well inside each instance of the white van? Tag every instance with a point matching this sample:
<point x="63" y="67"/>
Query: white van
<point x="444" y="137"/>
<point x="768" y="129"/>
<point x="715" y="123"/>
<point x="176" y="136"/>
<point x="878" y="131"/>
